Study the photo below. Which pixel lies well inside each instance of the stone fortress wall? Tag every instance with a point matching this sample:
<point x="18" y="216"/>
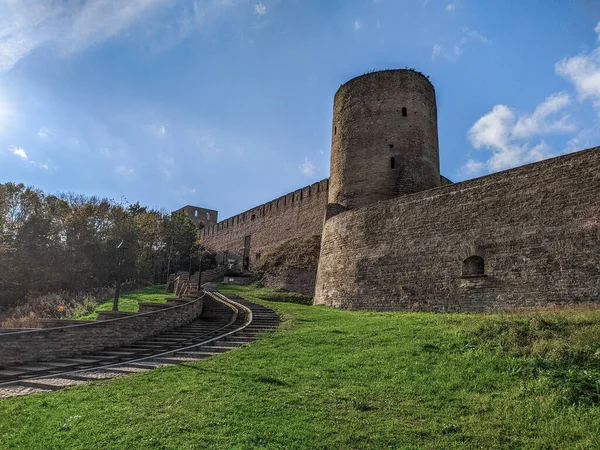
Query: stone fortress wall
<point x="536" y="228"/>
<point x="398" y="236"/>
<point x="297" y="214"/>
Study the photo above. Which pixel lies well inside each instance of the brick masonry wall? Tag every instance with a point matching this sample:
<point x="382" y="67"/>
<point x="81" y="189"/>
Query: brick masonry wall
<point x="68" y="341"/>
<point x="296" y="214"/>
<point x="537" y="228"/>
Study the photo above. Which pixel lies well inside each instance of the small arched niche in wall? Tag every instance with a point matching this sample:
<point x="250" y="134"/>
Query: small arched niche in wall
<point x="404" y="112"/>
<point x="473" y="266"/>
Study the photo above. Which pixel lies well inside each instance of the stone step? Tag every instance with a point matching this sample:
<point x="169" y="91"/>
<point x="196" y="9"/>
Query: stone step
<point x="214" y="348"/>
<point x="197" y="354"/>
<point x="137" y="365"/>
<point x="174" y="360"/>
<point x="8" y="373"/>
<point x="237" y="337"/>
<point x="40" y="385"/>
<point x="116" y="353"/>
<point x="231" y="344"/>
<point x="146" y="345"/>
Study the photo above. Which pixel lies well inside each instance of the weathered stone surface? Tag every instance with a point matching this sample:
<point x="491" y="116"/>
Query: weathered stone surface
<point x="384" y="138"/>
<point x="295" y="280"/>
<point x="296" y="214"/>
<point x="63" y="342"/>
<point x="201" y="217"/>
<point x="537" y="228"/>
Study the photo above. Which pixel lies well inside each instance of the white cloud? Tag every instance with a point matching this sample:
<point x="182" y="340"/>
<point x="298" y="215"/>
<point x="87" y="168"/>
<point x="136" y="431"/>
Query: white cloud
<point x="356" y="25"/>
<point x="505" y="134"/>
<point x="28" y="24"/>
<point x="586" y="138"/>
<point x="584" y="72"/>
<point x="537" y="122"/>
<point x="473" y="35"/>
<point x="209" y="143"/>
<point x="450" y="7"/>
<point x="508" y="135"/>
<point x="307" y="167"/>
<point x="454" y="51"/>
<point x="40" y="165"/>
<point x="162" y="130"/>
<point x="19" y="151"/>
<point x="451" y="53"/>
<point x="473" y="166"/>
<point x="493" y="129"/>
<point x="125" y="172"/>
<point x="260" y="9"/>
<point x="44" y="133"/>
<point x="72" y="26"/>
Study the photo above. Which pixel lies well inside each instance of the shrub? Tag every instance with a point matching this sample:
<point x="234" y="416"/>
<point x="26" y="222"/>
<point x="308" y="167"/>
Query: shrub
<point x="60" y="305"/>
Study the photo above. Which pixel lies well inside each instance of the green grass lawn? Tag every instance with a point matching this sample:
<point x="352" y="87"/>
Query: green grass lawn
<point x="339" y="379"/>
<point x="129" y="302"/>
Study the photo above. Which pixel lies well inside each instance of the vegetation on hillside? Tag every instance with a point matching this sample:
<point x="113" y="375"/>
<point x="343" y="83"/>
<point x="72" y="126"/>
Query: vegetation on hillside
<point x="300" y="253"/>
<point x="59" y="305"/>
<point x="346" y="379"/>
<point x="129" y="302"/>
<point x="257" y="291"/>
<point x="65" y="243"/>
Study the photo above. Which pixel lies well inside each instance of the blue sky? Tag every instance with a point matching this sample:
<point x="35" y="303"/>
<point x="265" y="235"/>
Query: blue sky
<point x="227" y="104"/>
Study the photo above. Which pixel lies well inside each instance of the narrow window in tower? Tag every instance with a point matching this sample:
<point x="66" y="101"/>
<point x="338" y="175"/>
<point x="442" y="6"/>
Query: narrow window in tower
<point x="334" y="130"/>
<point x="393" y="163"/>
<point x="253" y="217"/>
<point x="196" y="213"/>
<point x="404" y="112"/>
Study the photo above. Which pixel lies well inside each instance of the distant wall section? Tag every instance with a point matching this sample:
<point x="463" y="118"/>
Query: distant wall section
<point x="297" y="214"/>
<point x="525" y="237"/>
<point x="201" y="217"/>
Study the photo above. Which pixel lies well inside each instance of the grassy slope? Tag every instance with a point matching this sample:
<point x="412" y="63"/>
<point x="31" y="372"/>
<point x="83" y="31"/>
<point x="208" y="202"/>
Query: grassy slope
<point x="339" y="379"/>
<point x="129" y="302"/>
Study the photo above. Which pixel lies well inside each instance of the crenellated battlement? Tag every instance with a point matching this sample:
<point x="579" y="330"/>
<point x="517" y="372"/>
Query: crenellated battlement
<point x="283" y="205"/>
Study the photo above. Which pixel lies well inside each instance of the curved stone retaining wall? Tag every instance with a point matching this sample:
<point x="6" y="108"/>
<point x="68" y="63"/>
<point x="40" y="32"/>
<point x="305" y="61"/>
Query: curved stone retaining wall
<point x="67" y="341"/>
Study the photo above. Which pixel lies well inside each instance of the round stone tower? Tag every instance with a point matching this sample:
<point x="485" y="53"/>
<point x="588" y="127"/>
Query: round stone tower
<point x="384" y="139"/>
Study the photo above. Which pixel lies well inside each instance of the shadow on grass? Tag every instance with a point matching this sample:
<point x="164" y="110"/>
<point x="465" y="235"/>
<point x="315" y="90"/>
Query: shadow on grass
<point x="271" y="380"/>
